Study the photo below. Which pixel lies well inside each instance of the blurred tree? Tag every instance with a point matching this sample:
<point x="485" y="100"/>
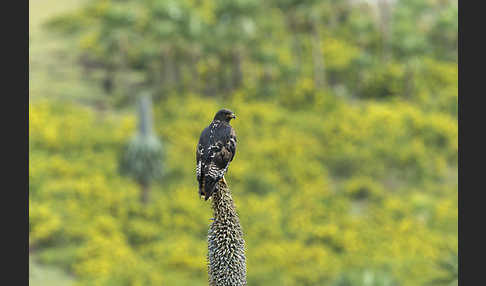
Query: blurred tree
<point x="143" y="157"/>
<point x="425" y="28"/>
<point x="218" y="47"/>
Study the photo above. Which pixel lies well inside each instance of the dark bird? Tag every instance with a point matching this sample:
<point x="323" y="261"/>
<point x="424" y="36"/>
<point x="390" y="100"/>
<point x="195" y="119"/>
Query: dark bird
<point x="215" y="150"/>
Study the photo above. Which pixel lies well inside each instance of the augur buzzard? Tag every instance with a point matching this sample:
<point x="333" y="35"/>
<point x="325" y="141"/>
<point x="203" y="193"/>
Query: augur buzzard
<point x="215" y="150"/>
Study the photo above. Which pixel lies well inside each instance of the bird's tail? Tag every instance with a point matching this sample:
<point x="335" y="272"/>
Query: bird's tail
<point x="201" y="188"/>
<point x="209" y="186"/>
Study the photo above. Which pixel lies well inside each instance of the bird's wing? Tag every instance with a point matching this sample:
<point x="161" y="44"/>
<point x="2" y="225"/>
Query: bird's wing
<point x="199" y="150"/>
<point x="232" y="143"/>
<point x="217" y="156"/>
<point x="224" y="146"/>
<point x="204" y="142"/>
<point x="202" y="160"/>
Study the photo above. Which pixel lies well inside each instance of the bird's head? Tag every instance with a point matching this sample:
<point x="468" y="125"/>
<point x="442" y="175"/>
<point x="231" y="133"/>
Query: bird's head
<point x="224" y="115"/>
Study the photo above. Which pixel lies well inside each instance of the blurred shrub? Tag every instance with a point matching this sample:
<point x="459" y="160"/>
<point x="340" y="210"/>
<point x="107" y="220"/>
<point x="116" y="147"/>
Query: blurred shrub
<point x="385" y="80"/>
<point x="448" y="266"/>
<point x="319" y="194"/>
<point x="44" y="224"/>
<point x="60" y="256"/>
<point x="363" y="189"/>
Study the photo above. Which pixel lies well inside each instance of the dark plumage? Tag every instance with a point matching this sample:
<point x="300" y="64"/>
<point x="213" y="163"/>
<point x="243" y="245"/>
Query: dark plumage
<point x="215" y="150"/>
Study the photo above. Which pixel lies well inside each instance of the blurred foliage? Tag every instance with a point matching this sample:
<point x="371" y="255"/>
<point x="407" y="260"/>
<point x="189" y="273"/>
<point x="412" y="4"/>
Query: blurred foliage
<point x="346" y="169"/>
<point x="365" y="278"/>
<point x="281" y="50"/>
<point x="449" y="267"/>
<point x="373" y="190"/>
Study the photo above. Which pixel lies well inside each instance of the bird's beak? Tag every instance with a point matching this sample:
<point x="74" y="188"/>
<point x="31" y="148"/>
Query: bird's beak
<point x="233" y="116"/>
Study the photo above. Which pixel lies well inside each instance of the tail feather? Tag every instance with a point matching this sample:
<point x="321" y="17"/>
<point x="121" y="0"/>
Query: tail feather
<point x="209" y="186"/>
<point x="201" y="180"/>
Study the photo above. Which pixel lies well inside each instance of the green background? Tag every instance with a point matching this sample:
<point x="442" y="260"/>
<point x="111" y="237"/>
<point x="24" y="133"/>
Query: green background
<point x="346" y="167"/>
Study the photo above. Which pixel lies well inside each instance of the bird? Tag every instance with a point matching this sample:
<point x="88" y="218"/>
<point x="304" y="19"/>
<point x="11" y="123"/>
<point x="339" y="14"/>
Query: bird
<point x="215" y="150"/>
